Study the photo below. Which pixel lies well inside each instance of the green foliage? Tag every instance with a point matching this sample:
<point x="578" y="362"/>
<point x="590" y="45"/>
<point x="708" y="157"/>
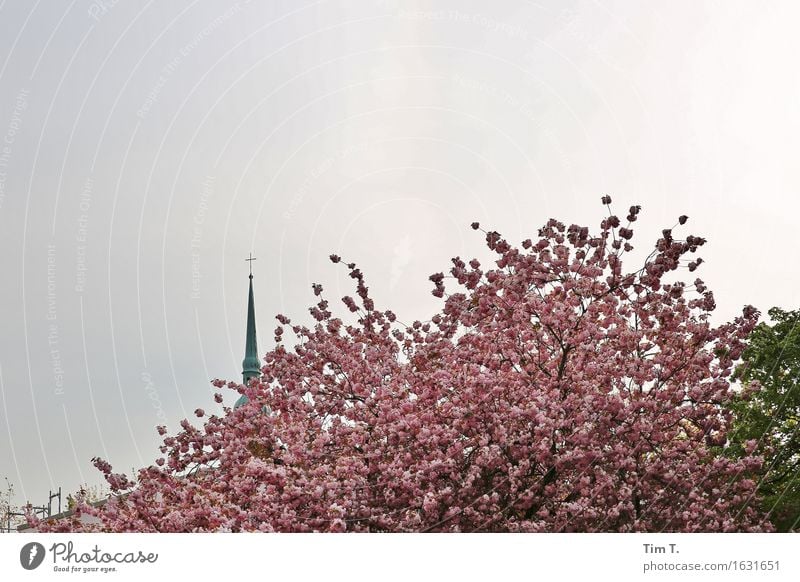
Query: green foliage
<point x="770" y="415"/>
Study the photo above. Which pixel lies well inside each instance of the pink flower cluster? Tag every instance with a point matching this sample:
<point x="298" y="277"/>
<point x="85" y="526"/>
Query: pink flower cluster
<point x="553" y="392"/>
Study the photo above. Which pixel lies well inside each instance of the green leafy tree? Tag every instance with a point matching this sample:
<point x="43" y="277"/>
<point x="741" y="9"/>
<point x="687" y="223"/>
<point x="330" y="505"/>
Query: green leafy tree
<point x="767" y="418"/>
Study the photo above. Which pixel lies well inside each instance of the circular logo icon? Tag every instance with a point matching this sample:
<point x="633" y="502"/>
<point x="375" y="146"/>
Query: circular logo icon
<point x="31" y="555"/>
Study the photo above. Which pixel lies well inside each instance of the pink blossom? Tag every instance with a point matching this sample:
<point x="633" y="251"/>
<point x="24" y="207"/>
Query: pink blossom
<point x="556" y="390"/>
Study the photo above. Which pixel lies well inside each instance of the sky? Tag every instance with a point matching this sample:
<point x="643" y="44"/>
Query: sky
<point x="147" y="148"/>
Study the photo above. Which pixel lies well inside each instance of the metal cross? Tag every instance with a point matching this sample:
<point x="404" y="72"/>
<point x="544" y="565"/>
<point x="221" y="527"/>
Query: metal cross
<point x="250" y="260"/>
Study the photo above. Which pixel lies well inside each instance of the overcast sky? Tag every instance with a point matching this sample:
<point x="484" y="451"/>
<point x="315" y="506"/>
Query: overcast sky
<point x="146" y="148"/>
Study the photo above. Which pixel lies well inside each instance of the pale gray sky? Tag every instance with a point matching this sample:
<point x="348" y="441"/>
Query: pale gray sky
<point x="146" y="148"/>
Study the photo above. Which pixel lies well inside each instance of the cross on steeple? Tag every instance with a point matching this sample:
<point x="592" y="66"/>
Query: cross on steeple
<point x="250" y="260"/>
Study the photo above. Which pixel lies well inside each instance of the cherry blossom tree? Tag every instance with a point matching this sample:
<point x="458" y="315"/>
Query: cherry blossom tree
<point x="555" y="391"/>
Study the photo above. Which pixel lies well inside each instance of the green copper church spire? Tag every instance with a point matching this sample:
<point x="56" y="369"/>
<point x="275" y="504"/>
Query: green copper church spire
<point x="251" y="367"/>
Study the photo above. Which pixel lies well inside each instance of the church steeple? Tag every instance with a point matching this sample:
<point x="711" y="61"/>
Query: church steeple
<point x="251" y="367"/>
